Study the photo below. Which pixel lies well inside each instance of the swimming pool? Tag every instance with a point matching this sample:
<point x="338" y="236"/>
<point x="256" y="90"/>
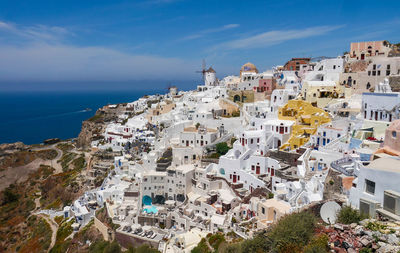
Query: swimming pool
<point x="151" y="209"/>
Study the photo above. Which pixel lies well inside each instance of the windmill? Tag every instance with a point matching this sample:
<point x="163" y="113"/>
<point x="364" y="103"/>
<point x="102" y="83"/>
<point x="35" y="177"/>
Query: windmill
<point x="169" y="86"/>
<point x="203" y="70"/>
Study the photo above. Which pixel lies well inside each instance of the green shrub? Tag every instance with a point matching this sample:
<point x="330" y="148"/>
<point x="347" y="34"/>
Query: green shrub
<point x="365" y="250"/>
<point x="222" y="148"/>
<point x="216" y="239"/>
<point x="318" y="244"/>
<point x="201" y="247"/>
<point x="105" y="247"/>
<point x="144" y="248"/>
<point x="10" y="195"/>
<point x="214" y="156"/>
<point x="294" y="229"/>
<point x="375" y="226"/>
<point x="79" y="163"/>
<point x="236" y="113"/>
<point x="96" y="118"/>
<point x="348" y="215"/>
<point x="64" y="230"/>
<point x="260" y="243"/>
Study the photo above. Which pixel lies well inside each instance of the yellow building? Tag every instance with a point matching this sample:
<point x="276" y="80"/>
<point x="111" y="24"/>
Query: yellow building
<point x="320" y="93"/>
<point x="307" y="119"/>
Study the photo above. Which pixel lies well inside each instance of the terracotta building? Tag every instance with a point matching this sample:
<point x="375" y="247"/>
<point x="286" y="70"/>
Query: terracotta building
<point x="294" y="63"/>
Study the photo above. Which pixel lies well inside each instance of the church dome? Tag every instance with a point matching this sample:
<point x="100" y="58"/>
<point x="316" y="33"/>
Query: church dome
<point x="248" y="67"/>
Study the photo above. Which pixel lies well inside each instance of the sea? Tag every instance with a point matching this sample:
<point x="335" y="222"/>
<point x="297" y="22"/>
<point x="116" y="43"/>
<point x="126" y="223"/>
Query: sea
<point x="32" y="117"/>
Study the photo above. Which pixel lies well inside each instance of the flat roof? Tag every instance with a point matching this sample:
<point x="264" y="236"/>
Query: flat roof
<point x="390" y="164"/>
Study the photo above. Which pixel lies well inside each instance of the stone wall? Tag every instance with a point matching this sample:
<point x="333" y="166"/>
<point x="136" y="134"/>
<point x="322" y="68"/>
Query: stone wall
<point x="394" y="82"/>
<point x="126" y="240"/>
<point x="104" y="230"/>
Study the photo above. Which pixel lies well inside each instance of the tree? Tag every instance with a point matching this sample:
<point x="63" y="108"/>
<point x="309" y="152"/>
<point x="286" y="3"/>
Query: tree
<point x="222" y="148"/>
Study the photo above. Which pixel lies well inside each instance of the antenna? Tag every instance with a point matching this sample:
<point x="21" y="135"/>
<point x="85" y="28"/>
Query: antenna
<point x="329" y="212"/>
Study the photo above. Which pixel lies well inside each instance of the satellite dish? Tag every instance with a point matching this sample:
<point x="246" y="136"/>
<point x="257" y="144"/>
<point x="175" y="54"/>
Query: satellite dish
<point x="329" y="212"/>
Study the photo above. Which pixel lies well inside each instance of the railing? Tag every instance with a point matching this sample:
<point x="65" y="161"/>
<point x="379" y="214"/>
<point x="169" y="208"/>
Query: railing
<point x="337" y="165"/>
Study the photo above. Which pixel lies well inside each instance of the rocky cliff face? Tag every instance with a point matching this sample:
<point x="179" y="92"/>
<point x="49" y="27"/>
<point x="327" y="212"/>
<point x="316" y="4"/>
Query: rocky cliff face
<point x="93" y="128"/>
<point x="90" y="131"/>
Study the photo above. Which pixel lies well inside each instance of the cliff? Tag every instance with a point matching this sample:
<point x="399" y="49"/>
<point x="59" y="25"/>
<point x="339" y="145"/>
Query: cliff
<point x="90" y="131"/>
<point x="93" y="128"/>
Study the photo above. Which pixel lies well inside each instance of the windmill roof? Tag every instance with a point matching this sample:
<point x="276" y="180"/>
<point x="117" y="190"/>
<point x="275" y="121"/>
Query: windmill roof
<point x="210" y="69"/>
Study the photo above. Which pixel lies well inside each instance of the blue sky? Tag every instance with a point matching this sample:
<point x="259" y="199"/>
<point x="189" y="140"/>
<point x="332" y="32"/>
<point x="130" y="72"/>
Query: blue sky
<point x="122" y="41"/>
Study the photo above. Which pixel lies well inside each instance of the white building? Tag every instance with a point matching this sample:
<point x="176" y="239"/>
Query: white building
<point x="377" y="187"/>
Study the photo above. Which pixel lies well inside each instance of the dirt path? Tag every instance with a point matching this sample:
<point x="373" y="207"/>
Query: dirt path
<point x="53" y="163"/>
<point x="21" y="173"/>
<point x="54" y="228"/>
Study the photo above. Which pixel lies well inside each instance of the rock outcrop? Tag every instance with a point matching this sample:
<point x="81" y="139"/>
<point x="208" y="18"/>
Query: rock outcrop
<point x="93" y="128"/>
<point x="90" y="131"/>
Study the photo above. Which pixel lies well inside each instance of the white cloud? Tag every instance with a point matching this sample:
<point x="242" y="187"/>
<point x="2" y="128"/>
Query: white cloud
<point x="44" y="62"/>
<point x="39" y="53"/>
<point x="35" y="32"/>
<point x="270" y="38"/>
<point x="209" y="31"/>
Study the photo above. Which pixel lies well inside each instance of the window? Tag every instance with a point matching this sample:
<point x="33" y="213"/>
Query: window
<point x="394" y="133"/>
<point x="263" y="210"/>
<point x="369" y="187"/>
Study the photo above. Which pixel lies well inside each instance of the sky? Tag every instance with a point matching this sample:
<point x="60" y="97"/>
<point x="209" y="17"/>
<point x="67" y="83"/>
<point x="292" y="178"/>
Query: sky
<point x="69" y="44"/>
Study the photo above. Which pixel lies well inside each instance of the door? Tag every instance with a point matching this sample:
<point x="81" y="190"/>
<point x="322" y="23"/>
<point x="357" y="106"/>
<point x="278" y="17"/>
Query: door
<point x="234" y="178"/>
<point x="272" y="172"/>
<point x="258" y="170"/>
<point x="187" y="143"/>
